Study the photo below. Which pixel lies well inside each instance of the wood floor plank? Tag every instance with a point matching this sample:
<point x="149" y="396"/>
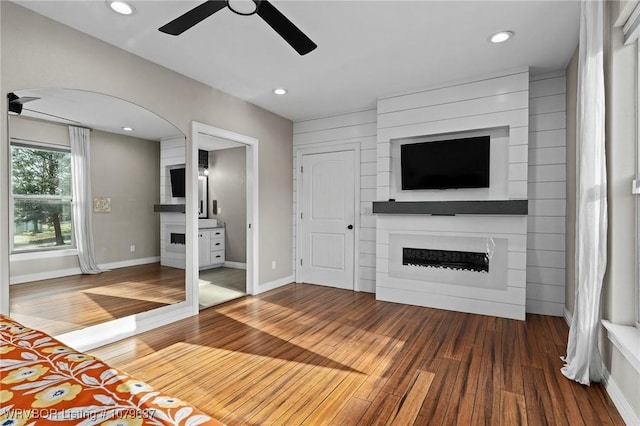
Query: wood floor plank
<point x="538" y="401"/>
<point x="382" y="407"/>
<point x="460" y="409"/>
<point x="436" y="403"/>
<point x="311" y="355"/>
<point x="512" y="368"/>
<point x="513" y="410"/>
<point x="529" y="343"/>
<point x="352" y="412"/>
<point x="412" y="402"/>
<point x="486" y="409"/>
<point x="565" y="407"/>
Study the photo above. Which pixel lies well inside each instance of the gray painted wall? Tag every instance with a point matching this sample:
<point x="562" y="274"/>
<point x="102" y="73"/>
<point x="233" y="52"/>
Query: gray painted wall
<point x="53" y="55"/>
<point x="228" y="185"/>
<point x="127" y="170"/>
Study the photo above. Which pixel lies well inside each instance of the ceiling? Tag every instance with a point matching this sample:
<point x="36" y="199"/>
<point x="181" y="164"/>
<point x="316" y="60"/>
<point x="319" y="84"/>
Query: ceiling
<point x="95" y="111"/>
<point x="367" y="49"/>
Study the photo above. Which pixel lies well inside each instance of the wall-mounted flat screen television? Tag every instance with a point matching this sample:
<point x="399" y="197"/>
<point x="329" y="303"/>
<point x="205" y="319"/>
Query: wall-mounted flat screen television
<point x="177" y="182"/>
<point x="452" y="163"/>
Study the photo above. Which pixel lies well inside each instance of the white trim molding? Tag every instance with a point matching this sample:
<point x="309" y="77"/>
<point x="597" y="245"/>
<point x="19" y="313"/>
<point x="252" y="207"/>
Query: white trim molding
<point x="617" y="397"/>
<point x="275" y="284"/>
<point x="39" y="276"/>
<point x="627" y="339"/>
<point x="235" y="265"/>
<point x="60" y="273"/>
<point x="43" y="254"/>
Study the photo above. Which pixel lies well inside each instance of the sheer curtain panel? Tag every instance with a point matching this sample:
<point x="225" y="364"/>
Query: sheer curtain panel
<point x="82" y="199"/>
<point x="583" y="363"/>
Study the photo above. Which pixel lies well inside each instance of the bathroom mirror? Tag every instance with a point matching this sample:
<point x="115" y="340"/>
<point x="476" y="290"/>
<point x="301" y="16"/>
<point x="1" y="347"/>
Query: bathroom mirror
<point x="131" y="152"/>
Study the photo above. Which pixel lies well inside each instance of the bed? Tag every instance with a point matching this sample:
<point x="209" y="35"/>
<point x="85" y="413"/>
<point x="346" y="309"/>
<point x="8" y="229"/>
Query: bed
<point x="43" y="382"/>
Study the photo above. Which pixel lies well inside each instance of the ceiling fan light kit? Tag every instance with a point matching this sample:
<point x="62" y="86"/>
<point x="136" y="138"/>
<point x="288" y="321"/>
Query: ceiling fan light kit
<point x="243" y="7"/>
<point x="263" y="8"/>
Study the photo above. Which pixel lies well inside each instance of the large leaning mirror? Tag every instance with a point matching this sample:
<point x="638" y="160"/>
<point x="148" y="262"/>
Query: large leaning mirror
<point x="92" y="239"/>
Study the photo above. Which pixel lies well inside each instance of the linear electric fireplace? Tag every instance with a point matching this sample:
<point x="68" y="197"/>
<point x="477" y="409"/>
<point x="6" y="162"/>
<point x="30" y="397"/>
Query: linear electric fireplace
<point x="447" y="259"/>
<point x="473" y="261"/>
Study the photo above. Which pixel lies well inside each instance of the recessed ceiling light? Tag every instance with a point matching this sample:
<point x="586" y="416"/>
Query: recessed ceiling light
<point x="121" y="7"/>
<point x="128" y="129"/>
<point x="280" y="91"/>
<point x="500" y="37"/>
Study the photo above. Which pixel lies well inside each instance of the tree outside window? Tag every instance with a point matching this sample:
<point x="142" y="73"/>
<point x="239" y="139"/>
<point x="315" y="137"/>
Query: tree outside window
<point x="41" y="195"/>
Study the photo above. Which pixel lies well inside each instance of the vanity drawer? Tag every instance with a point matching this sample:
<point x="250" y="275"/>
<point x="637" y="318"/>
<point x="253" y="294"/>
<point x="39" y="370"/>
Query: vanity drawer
<point x="217" y="243"/>
<point x="217" y="256"/>
<point x="217" y="233"/>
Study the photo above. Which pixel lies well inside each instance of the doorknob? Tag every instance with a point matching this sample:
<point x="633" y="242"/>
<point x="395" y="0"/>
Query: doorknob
<point x="350" y="227"/>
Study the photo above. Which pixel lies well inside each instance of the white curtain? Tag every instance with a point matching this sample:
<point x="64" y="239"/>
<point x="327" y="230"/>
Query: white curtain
<point x="82" y="200"/>
<point x="583" y="363"/>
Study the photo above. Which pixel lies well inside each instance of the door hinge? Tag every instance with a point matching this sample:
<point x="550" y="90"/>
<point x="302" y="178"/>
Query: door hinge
<point x="301" y="169"/>
<point x="300" y="215"/>
<point x="300" y="261"/>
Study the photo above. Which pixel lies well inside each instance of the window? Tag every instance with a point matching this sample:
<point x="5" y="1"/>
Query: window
<point x="40" y="197"/>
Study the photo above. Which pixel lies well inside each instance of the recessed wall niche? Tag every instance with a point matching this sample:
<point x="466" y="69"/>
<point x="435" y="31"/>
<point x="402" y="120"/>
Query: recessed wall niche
<point x="498" y="169"/>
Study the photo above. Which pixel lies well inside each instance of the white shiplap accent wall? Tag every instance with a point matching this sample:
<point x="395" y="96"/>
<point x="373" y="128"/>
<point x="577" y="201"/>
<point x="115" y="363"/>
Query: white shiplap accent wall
<point x="172" y="153"/>
<point x="547" y="194"/>
<point x="500" y="101"/>
<point x="332" y="133"/>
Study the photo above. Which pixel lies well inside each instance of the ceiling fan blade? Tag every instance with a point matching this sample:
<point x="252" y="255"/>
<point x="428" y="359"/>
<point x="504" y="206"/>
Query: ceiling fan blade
<point x="192" y="17"/>
<point x="283" y="26"/>
<point x="15" y="99"/>
<point x="25" y="99"/>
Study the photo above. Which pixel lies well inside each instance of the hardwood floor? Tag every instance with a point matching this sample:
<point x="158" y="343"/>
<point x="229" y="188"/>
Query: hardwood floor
<point x="312" y="355"/>
<point x="66" y="304"/>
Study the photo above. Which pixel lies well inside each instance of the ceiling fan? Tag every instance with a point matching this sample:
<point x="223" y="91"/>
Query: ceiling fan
<point x="16" y="105"/>
<point x="264" y="9"/>
<point x="16" y="102"/>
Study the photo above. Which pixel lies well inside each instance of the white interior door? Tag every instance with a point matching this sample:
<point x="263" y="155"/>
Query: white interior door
<point x="328" y="218"/>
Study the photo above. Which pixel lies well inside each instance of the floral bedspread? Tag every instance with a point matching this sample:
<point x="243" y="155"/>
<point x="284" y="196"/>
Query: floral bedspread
<point x="43" y="382"/>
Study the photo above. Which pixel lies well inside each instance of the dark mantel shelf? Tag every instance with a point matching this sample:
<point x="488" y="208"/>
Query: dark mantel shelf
<point x="169" y="208"/>
<point x="452" y="208"/>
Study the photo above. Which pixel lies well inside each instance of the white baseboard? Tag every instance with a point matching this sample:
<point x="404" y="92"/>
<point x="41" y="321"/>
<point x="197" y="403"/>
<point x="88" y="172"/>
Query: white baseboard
<point x="274" y="284"/>
<point x="235" y="265"/>
<point x="567" y="316"/>
<point x="622" y="404"/>
<point x="60" y="273"/>
<point x="131" y="262"/>
<point x="19" y="279"/>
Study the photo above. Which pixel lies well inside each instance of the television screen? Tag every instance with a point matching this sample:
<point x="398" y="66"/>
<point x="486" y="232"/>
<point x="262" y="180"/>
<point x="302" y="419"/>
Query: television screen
<point x="454" y="163"/>
<point x="177" y="182"/>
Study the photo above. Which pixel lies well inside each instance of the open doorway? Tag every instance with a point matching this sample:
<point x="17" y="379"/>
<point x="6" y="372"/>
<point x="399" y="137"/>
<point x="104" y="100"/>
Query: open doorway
<point x="225" y="224"/>
<point x="222" y="231"/>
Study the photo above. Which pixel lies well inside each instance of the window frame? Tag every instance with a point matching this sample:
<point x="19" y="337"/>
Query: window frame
<point x="18" y="142"/>
<point x="637" y="284"/>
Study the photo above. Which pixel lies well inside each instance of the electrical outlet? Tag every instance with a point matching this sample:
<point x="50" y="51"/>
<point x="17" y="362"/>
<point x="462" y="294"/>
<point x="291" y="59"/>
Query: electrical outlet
<point x="219" y="210"/>
<point x="273" y="264"/>
<point x="132" y="248"/>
